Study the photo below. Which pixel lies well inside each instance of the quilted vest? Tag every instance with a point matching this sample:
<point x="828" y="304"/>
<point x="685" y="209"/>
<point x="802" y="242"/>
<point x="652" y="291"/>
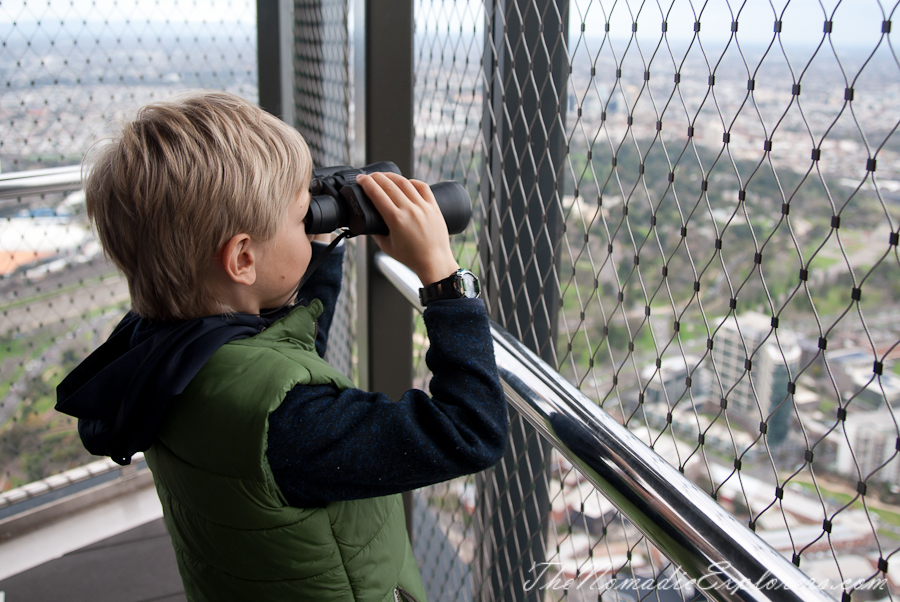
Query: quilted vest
<point x="235" y="537"/>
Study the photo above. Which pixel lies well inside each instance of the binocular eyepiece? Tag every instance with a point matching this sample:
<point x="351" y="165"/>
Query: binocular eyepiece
<point x="337" y="201"/>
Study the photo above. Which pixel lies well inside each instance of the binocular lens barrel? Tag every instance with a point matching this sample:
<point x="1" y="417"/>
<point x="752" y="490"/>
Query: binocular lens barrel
<point x="328" y="213"/>
<point x="455" y="205"/>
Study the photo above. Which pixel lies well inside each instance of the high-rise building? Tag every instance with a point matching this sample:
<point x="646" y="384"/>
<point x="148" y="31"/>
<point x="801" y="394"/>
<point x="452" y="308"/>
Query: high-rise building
<point x="868" y="447"/>
<point x="667" y="384"/>
<point x="752" y="367"/>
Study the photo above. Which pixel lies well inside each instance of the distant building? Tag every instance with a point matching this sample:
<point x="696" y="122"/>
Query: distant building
<point x="668" y="383"/>
<point x="38" y="235"/>
<point x="687" y="424"/>
<point x="853" y="371"/>
<point x="754" y="367"/>
<point x="870" y="448"/>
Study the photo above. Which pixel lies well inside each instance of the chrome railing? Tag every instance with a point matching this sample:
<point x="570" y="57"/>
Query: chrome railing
<point x="726" y="559"/>
<point x="40" y="181"/>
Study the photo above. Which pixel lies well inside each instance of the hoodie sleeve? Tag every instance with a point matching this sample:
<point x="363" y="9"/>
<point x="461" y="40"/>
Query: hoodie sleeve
<point x="327" y="445"/>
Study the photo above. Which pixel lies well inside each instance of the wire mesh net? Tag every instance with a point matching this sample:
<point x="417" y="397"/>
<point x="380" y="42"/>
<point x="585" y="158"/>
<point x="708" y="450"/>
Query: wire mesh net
<point x="322" y="94"/>
<point x="70" y="71"/>
<point x="716" y="241"/>
<point x="60" y="297"/>
<point x="687" y="208"/>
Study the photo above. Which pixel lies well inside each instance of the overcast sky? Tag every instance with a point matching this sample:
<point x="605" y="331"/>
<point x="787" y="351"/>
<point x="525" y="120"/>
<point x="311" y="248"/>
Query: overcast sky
<point x="855" y="22"/>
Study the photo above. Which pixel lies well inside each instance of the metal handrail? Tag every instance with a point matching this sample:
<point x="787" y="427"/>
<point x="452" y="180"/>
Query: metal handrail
<point x="40" y="181"/>
<point x="726" y="560"/>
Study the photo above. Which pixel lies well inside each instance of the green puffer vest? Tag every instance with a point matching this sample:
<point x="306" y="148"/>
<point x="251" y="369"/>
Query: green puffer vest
<point x="234" y="535"/>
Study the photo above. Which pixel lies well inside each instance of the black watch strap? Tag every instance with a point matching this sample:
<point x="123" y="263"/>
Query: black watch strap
<point x="461" y="284"/>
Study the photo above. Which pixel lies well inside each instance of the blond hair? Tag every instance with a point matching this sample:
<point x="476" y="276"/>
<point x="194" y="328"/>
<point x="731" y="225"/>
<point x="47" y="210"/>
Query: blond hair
<point x="180" y="180"/>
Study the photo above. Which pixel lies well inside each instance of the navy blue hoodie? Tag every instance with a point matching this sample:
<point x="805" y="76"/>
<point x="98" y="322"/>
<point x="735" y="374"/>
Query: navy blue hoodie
<point x="324" y="444"/>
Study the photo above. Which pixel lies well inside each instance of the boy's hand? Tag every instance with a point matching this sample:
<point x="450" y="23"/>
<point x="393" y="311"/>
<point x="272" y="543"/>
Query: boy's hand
<point x="418" y="234"/>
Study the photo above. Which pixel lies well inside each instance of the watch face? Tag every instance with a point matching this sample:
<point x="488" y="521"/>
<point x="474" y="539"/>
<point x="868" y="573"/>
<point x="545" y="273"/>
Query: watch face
<point x="469" y="284"/>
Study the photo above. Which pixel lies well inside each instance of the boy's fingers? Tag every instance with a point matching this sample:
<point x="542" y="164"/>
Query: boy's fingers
<point x="424" y="190"/>
<point x="400" y="189"/>
<point x="376" y="192"/>
<point x="386" y="194"/>
<point x="396" y="197"/>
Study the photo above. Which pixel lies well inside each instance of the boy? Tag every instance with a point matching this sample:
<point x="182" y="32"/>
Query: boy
<point x="278" y="479"/>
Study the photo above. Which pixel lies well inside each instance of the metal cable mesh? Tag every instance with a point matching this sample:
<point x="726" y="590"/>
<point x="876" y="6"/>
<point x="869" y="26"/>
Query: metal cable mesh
<point x="60" y="299"/>
<point x="449" y="105"/>
<point x="322" y="79"/>
<point x="722" y="253"/>
<point x="69" y="70"/>
<point x="322" y="93"/>
<point x="725" y="266"/>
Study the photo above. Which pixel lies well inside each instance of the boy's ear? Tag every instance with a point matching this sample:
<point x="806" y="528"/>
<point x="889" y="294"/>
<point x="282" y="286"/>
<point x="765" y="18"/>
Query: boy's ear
<point x="238" y="258"/>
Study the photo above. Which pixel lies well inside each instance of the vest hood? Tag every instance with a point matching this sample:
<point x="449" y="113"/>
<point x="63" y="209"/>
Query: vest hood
<point x="121" y="391"/>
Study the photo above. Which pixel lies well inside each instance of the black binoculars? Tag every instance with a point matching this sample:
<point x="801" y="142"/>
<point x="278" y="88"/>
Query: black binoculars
<point x="339" y="202"/>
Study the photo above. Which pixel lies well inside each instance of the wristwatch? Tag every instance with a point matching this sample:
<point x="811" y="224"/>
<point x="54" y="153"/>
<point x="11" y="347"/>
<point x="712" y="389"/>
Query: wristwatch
<point x="462" y="284"/>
